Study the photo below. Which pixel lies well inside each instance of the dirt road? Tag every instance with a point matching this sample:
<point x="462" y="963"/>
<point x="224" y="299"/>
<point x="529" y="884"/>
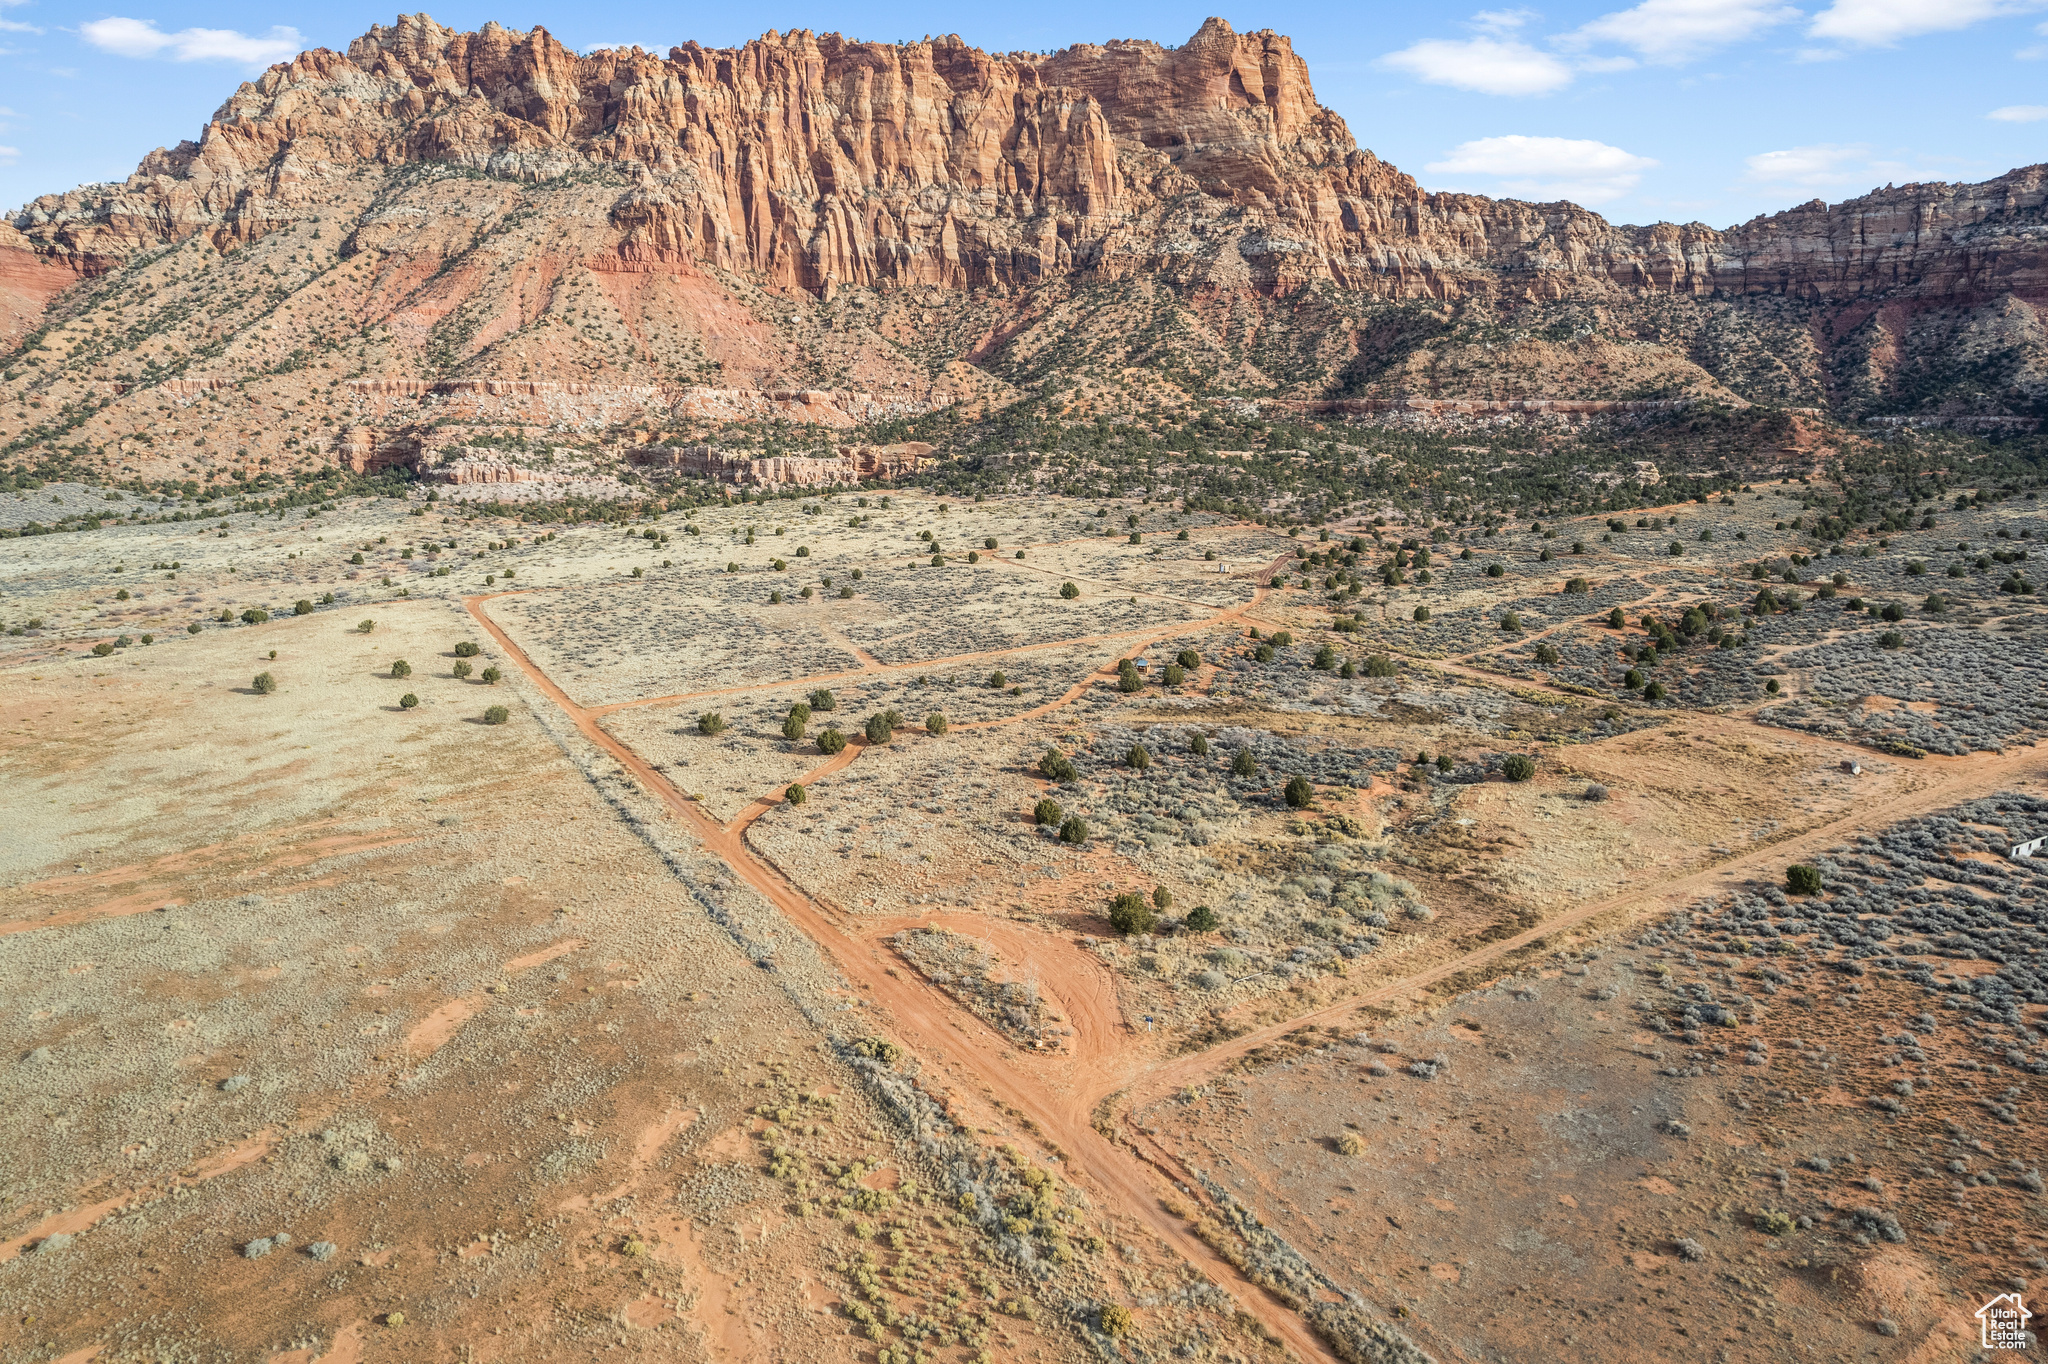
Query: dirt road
<point x="1058" y="1091"/>
<point x="926" y="1021"/>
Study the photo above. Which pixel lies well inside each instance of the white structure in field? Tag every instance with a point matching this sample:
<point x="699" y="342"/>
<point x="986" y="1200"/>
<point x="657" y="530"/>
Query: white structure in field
<point x="2030" y="848"/>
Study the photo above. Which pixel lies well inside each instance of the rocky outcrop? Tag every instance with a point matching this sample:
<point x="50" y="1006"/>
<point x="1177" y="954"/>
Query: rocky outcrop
<point x="848" y="464"/>
<point x="810" y="160"/>
<point x="481" y="179"/>
<point x="365" y="450"/>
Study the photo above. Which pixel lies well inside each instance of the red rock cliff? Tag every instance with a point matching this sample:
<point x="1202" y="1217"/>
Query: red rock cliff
<point x="809" y="159"/>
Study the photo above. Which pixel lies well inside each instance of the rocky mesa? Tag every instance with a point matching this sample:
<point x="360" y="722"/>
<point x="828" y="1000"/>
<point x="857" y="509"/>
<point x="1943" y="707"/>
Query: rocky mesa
<point x="931" y="223"/>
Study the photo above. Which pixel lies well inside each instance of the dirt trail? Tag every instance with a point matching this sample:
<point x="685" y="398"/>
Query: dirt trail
<point x="1959" y="779"/>
<point x="1075" y="978"/>
<point x="1058" y="1091"/>
<point x="927" y="1023"/>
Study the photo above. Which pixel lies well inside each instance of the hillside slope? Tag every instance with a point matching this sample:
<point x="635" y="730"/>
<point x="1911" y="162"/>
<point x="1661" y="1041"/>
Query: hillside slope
<point x="911" y="224"/>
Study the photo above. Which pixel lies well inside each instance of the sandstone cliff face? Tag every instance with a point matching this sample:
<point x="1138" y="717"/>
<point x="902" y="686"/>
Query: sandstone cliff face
<point x="812" y="163"/>
<point x="811" y="160"/>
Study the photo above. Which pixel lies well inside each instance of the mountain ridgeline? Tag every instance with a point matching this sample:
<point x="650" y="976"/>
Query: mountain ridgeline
<point x="937" y="223"/>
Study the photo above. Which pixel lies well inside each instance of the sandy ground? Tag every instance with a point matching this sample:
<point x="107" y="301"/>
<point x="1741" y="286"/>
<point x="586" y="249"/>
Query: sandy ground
<point x="561" y="1032"/>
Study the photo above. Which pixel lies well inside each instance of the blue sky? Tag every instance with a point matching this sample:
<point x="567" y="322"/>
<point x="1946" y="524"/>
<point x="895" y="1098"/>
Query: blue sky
<point x="1710" y="110"/>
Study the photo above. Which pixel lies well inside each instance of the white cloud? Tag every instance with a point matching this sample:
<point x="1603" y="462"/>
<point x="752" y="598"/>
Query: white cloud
<point x="1881" y="23"/>
<point x="2020" y="113"/>
<point x="142" y="38"/>
<point x="9" y="155"/>
<point x="1546" y="168"/>
<point x="1490" y="66"/>
<point x="1670" y="31"/>
<point x="10" y="26"/>
<point x="1500" y="22"/>
<point x="1814" y="167"/>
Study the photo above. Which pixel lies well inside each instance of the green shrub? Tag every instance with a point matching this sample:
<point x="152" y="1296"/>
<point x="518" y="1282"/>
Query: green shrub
<point x="1893" y="612"/>
<point x="997" y="680"/>
<point x="1188" y="659"/>
<point x="1546" y="653"/>
<point x="1199" y="746"/>
<point x="1069" y="591"/>
<point x="302" y="607"/>
<point x="1074" y="830"/>
<point x="1577" y="586"/>
<point x="1891" y="639"/>
<point x="1300" y="793"/>
<point x="1654" y="692"/>
<point x="1054" y="765"/>
<point x="365" y="626"/>
<point x="878" y="729"/>
<point x="795" y="794"/>
<point x="711" y="722"/>
<point x="1518" y="767"/>
<point x="1802" y="879"/>
<point x="1116" y="1320"/>
<point x="1510" y="621"/>
<point x="1200" y="919"/>
<point x="801" y="711"/>
<point x="793" y="727"/>
<point x="264" y="684"/>
<point x="401" y="668"/>
<point x="1173" y="675"/>
<point x="1127" y="678"/>
<point x="935" y="723"/>
<point x="192" y="629"/>
<point x="1129" y="913"/>
<point x="496" y="715"/>
<point x="824" y="700"/>
<point x="493" y="676"/>
<point x="255" y="615"/>
<point x="1772" y="686"/>
<point x="1422" y="615"/>
<point x="466" y="649"/>
<point x="831" y="741"/>
<point x="1495" y="571"/>
<point x="1243" y="763"/>
<point x="1138" y="758"/>
<point x="1446" y="763"/>
<point x="1047" y="812"/>
<point x="408" y="701"/>
<point x="1379" y="665"/>
<point x="103" y="648"/>
<point x="1325" y="659"/>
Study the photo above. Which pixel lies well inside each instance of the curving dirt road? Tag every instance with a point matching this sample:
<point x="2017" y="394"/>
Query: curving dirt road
<point x="1058" y="1090"/>
<point x="926" y="1021"/>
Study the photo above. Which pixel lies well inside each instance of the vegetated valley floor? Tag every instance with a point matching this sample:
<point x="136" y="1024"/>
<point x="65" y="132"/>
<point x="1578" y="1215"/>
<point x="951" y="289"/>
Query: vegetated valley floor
<point x="347" y="1029"/>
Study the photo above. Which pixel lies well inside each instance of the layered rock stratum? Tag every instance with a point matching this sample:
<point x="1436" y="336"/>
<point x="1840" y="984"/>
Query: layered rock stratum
<point x="922" y="223"/>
